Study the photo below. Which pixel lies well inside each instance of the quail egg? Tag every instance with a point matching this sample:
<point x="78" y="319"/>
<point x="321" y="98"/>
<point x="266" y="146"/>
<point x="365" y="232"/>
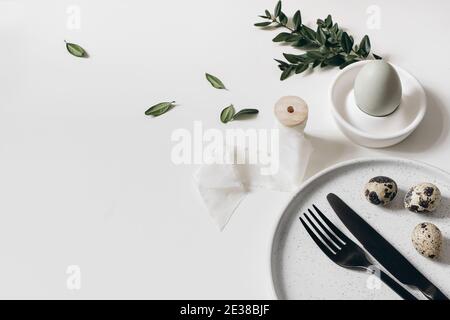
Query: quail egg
<point x="380" y="190"/>
<point x="291" y="111"/>
<point x="427" y="239"/>
<point x="424" y="197"/>
<point x="378" y="89"/>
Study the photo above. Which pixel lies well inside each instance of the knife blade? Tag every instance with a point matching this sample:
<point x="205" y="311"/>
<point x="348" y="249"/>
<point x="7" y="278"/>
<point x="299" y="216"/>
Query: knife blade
<point x="383" y="251"/>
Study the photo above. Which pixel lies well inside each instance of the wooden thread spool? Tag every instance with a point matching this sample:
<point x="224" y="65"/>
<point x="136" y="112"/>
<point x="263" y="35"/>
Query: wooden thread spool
<point x="292" y="111"/>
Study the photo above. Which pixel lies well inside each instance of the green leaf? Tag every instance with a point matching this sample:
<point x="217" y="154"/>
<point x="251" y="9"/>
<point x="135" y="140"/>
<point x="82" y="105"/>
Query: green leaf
<point x="215" y="82"/>
<point x="268" y="15"/>
<point x="227" y="114"/>
<point x="283" y="36"/>
<point x="301" y="43"/>
<point x="301" y="68"/>
<point x="283" y="18"/>
<point x="263" y="24"/>
<point x="244" y="113"/>
<point x="277" y="11"/>
<point x="297" y="20"/>
<point x="335" y="28"/>
<point x="377" y="57"/>
<point x="286" y="73"/>
<point x="294" y="38"/>
<point x="321" y="37"/>
<point x="314" y="54"/>
<point x="346" y="43"/>
<point x="316" y="63"/>
<point x="329" y="21"/>
<point x="328" y="45"/>
<point x="292" y="58"/>
<point x="336" y="60"/>
<point x="364" y="46"/>
<point x="304" y="58"/>
<point x="76" y="50"/>
<point x="160" y="108"/>
<point x="282" y="64"/>
<point x="308" y="33"/>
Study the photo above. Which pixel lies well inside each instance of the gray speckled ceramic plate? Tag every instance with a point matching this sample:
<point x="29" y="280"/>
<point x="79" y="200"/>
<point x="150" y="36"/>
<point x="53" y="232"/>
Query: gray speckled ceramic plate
<point x="301" y="271"/>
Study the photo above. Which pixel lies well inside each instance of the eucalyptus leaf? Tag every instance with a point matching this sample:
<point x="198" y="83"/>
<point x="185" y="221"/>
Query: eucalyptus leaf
<point x="297" y="20"/>
<point x="336" y="60"/>
<point x="377" y="57"/>
<point x="321" y="37"/>
<point x="301" y="68"/>
<point x="286" y="73"/>
<point x="346" y="43"/>
<point x="214" y="81"/>
<point x="263" y="24"/>
<point x="76" y="50"/>
<point x="329" y="21"/>
<point x="316" y="63"/>
<point x="244" y="113"/>
<point x="293" y="38"/>
<point x="227" y="114"/>
<point x="301" y="43"/>
<point x="365" y="47"/>
<point x="308" y="33"/>
<point x="292" y="58"/>
<point x="283" y="18"/>
<point x="324" y="45"/>
<point x="160" y="108"/>
<point x="283" y="36"/>
<point x="277" y="10"/>
<point x="281" y="62"/>
<point x="314" y="54"/>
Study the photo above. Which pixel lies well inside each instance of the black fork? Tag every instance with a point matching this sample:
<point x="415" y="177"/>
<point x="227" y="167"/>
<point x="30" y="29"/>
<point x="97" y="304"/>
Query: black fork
<point x="344" y="252"/>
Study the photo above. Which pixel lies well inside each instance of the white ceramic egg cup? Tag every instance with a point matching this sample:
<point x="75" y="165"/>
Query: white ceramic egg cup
<point x="376" y="132"/>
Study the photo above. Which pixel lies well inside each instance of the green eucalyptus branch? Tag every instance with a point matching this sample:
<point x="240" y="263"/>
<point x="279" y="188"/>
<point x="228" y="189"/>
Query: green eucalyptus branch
<point x="328" y="45"/>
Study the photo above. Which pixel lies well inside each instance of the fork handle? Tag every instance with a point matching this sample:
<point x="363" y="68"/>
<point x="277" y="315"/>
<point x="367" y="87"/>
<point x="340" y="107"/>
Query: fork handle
<point x="394" y="285"/>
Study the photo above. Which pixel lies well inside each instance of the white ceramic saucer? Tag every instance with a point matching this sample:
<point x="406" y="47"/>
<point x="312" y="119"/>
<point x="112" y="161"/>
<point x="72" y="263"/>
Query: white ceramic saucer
<point x="376" y="132"/>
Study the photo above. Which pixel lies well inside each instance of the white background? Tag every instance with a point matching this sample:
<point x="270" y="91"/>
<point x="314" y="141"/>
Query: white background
<point x="86" y="179"/>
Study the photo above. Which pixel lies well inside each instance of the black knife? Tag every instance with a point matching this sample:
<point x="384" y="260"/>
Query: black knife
<point x="383" y="251"/>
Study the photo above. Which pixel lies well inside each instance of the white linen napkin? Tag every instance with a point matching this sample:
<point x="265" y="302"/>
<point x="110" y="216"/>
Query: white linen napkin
<point x="223" y="186"/>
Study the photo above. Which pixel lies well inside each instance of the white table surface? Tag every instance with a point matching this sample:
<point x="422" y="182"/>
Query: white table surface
<point x="86" y="179"/>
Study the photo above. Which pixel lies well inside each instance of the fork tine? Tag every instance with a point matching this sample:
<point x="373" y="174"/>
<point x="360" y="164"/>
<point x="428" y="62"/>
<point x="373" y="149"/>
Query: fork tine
<point x="322" y="247"/>
<point x="333" y="238"/>
<point x="324" y="238"/>
<point x="336" y="231"/>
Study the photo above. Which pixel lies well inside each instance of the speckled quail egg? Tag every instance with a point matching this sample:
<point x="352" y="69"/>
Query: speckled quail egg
<point x="380" y="190"/>
<point x="424" y="197"/>
<point x="291" y="111"/>
<point x="427" y="239"/>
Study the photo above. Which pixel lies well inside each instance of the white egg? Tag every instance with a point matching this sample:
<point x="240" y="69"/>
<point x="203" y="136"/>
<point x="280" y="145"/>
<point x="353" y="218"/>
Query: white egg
<point x="378" y="89"/>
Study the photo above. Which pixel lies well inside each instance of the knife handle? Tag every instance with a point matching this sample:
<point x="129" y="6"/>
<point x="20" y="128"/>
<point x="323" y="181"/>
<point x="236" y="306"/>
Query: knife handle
<point x="433" y="293"/>
<point x="394" y="285"/>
